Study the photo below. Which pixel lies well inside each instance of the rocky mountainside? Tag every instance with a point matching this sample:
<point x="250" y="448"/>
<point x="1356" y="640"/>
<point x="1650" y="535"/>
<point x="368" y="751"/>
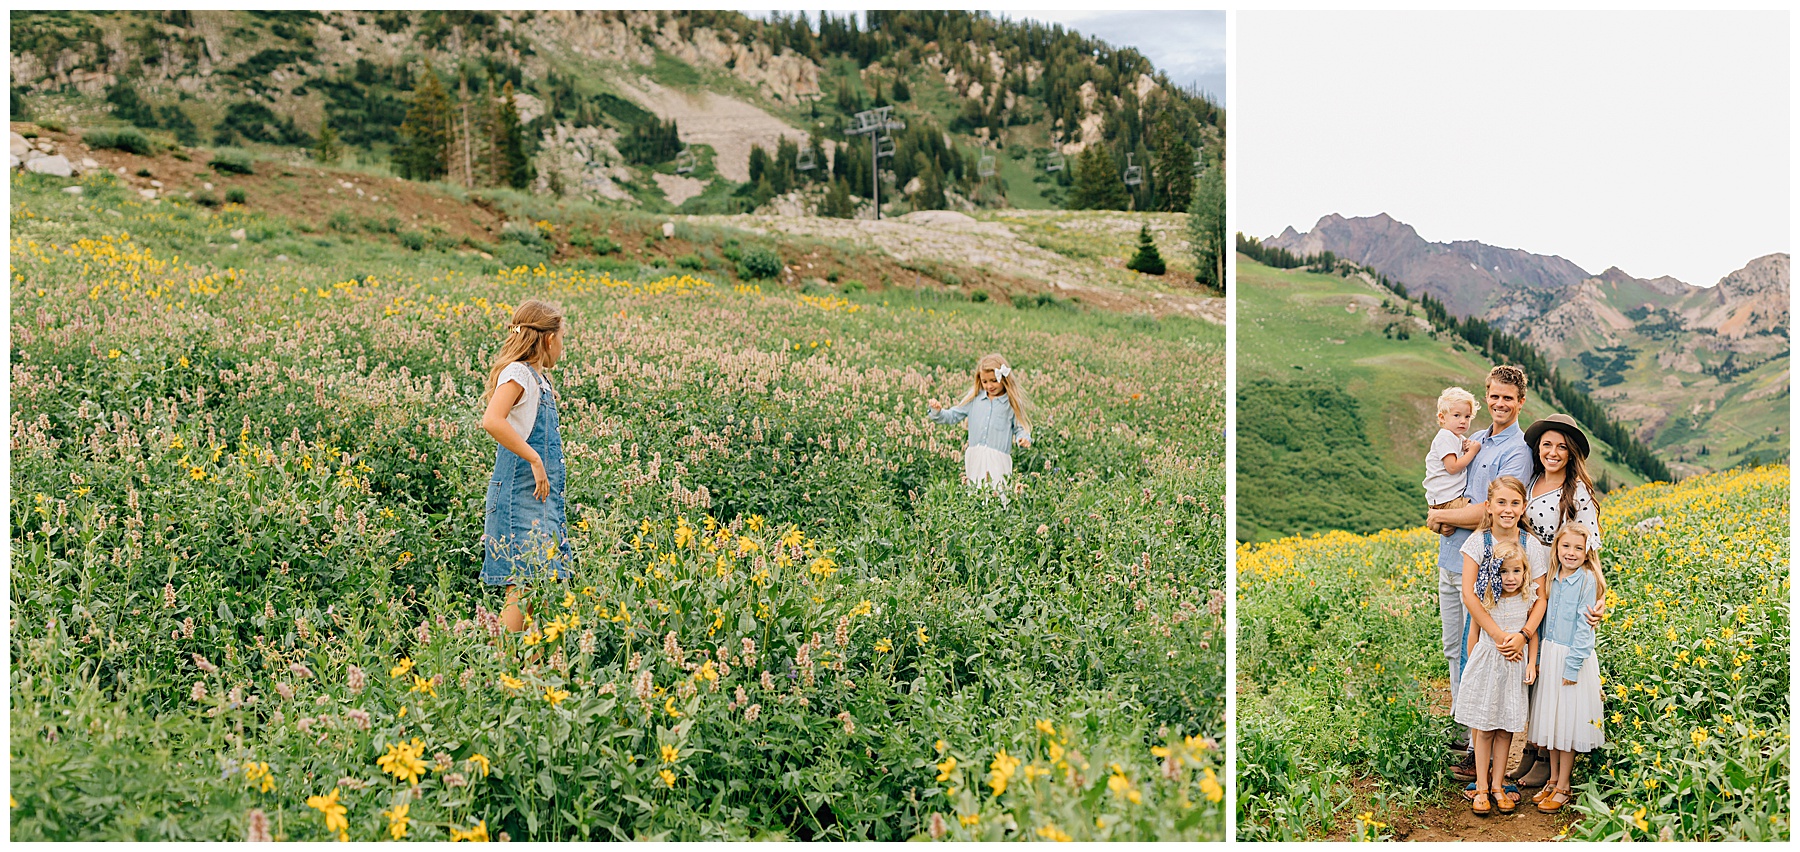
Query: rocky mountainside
<point x="654" y="109"/>
<point x="1469" y="277"/>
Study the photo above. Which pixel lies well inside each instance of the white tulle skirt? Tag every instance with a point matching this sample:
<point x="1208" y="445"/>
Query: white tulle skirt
<point x="986" y="466"/>
<point x="1567" y="718"/>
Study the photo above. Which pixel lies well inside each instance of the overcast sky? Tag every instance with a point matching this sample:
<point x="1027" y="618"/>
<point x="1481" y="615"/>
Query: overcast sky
<point x="1189" y="46"/>
<point x="1655" y="142"/>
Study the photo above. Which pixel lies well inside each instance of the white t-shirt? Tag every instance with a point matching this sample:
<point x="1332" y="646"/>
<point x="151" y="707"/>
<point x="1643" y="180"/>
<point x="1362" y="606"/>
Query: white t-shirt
<point x="524" y="412"/>
<point x="1442" y="486"/>
<point x="1537" y="556"/>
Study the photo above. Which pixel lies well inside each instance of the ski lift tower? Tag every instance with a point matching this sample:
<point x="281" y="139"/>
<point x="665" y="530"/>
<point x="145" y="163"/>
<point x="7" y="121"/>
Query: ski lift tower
<point x="684" y="161"/>
<point x="985" y="166"/>
<point x="1134" y="174"/>
<point x="875" y="123"/>
<point x="1055" y="162"/>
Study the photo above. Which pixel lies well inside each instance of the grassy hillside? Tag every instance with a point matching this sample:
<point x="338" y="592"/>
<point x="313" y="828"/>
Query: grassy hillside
<point x="246" y="505"/>
<point x="1326" y="331"/>
<point x="1342" y="688"/>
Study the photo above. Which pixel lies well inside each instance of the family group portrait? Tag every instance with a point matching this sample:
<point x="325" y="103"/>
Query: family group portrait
<point x="1513" y="534"/>
<point x="617" y="425"/>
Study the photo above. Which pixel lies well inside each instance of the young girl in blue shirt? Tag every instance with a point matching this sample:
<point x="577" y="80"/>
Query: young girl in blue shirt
<point x="995" y="409"/>
<point x="1568" y="711"/>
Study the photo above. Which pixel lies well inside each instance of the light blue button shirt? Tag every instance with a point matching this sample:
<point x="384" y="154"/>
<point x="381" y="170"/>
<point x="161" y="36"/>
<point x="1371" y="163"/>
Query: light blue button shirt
<point x="1504" y="454"/>
<point x="991" y="422"/>
<point x="1565" y="623"/>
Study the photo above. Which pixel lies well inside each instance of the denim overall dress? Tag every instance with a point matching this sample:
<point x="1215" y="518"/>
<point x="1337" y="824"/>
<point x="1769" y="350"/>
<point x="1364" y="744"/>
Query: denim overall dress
<point x="525" y="538"/>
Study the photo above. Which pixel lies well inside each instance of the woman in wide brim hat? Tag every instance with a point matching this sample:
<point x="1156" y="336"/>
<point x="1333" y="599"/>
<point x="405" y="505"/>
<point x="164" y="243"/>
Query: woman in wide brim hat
<point x="1560" y="492"/>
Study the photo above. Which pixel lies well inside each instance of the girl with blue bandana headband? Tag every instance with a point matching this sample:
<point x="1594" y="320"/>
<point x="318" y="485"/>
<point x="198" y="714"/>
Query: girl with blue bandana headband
<point x="1481" y="579"/>
<point x="1492" y="701"/>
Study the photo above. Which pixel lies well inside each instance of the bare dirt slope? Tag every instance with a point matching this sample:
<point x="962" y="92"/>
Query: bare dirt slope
<point x="729" y="125"/>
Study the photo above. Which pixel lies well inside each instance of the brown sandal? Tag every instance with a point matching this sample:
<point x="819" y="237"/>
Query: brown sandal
<point x="1555" y="801"/>
<point x="1504" y="802"/>
<point x="1483" y="803"/>
<point x="1543" y="793"/>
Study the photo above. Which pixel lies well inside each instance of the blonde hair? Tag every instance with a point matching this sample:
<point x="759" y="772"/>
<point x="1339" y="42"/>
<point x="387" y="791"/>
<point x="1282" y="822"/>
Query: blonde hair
<point x="1591" y="559"/>
<point x="527" y="339"/>
<point x="1508" y="551"/>
<point x="1015" y="395"/>
<point x="1451" y="396"/>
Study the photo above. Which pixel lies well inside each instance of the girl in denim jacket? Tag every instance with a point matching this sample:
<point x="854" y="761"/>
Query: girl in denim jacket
<point x="1568" y="713"/>
<point x="995" y="409"/>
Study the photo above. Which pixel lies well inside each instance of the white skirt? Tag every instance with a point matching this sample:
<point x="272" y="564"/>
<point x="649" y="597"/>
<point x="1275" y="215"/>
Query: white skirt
<point x="986" y="466"/>
<point x="1567" y="718"/>
<point x="1492" y="694"/>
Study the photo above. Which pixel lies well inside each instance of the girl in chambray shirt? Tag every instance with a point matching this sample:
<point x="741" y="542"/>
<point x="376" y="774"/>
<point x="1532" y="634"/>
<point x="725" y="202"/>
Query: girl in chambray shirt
<point x="995" y="409"/>
<point x="1568" y="711"/>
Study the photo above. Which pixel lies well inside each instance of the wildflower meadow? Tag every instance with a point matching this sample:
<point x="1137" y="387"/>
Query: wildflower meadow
<point x="1339" y="666"/>
<point x="246" y="504"/>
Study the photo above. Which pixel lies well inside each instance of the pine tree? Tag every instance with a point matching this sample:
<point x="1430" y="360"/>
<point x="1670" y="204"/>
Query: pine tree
<point x="902" y="92"/>
<point x="1174" y="167"/>
<point x="1206" y="227"/>
<point x="1147" y="260"/>
<point x="1098" y="184"/>
<point x="513" y="162"/>
<point x="425" y="134"/>
<point x="328" y="149"/>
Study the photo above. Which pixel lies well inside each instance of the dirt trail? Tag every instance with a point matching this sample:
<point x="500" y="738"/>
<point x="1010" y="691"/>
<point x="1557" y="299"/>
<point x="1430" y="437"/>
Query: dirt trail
<point x="1451" y="819"/>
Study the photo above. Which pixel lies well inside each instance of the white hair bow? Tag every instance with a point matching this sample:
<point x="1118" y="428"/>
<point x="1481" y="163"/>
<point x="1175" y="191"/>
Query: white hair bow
<point x="1002" y="372"/>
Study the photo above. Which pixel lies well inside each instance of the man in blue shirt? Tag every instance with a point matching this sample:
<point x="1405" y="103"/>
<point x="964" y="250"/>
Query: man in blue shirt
<point x="1503" y="453"/>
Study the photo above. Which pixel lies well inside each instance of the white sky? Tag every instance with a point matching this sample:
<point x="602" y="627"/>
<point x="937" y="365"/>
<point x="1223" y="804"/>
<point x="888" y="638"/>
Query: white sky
<point x="1655" y="142"/>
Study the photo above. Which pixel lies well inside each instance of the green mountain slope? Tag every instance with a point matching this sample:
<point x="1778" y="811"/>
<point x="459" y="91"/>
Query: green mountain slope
<point x="1344" y="334"/>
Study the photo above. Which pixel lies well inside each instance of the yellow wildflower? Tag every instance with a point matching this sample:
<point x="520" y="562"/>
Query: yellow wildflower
<point x="334" y="813"/>
<point x="397" y="820"/>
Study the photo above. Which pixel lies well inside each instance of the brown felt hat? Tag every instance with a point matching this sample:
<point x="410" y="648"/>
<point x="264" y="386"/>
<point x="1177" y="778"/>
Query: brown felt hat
<point x="1558" y="423"/>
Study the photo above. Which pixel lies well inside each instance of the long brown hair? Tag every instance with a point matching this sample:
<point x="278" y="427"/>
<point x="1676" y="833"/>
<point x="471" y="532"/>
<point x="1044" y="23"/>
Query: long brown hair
<point x="1015" y="395"/>
<point x="1573" y="472"/>
<point x="526" y="339"/>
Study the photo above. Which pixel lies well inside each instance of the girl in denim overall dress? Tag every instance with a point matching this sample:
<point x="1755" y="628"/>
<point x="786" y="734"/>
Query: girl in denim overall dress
<point x="524" y="534"/>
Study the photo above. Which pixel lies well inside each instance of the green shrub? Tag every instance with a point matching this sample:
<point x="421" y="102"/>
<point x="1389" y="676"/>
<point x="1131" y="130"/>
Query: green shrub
<point x="232" y="161"/>
<point x="596" y="243"/>
<point x="978" y="296"/>
<point x="52" y="125"/>
<point x="235" y="195"/>
<point x="757" y="263"/>
<point x="524" y="235"/>
<point x="854" y="285"/>
<point x="412" y="239"/>
<point x="205" y="198"/>
<point x="127" y="139"/>
<point x="690" y="261"/>
<point x="340" y="221"/>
